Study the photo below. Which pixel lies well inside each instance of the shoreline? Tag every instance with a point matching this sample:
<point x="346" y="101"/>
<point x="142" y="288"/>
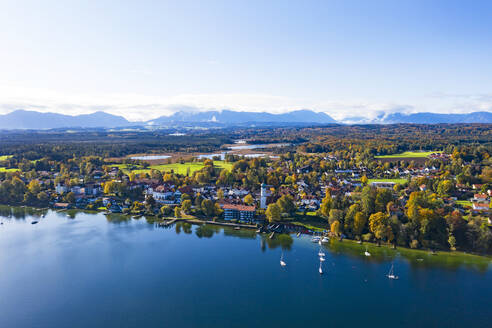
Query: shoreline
<point x="197" y="221"/>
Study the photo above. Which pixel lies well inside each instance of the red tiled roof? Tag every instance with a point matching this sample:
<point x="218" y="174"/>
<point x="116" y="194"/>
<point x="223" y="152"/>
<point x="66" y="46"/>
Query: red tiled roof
<point x="238" y="207"/>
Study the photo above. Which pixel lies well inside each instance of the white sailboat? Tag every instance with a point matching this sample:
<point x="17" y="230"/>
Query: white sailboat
<point x="282" y="263"/>
<point x="391" y="273"/>
<point x="321" y="258"/>
<point x="321" y="253"/>
<point x="366" y="253"/>
<point x="320" y="268"/>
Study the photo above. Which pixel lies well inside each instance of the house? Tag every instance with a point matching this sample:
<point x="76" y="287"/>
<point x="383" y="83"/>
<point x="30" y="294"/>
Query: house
<point x="480" y="197"/>
<point x="481" y="206"/>
<point x="61" y="205"/>
<point x="304" y="169"/>
<point x="238" y="212"/>
<point x="386" y="185"/>
<point x="61" y="189"/>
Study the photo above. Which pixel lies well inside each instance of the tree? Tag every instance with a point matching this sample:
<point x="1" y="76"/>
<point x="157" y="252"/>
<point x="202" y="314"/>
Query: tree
<point x="383" y="197"/>
<point x="249" y="199"/>
<point x="273" y="212"/>
<point x="445" y="188"/>
<point x="220" y="194"/>
<point x="379" y="226"/>
<point x="335" y="215"/>
<point x="335" y="227"/>
<point x="70" y="197"/>
<point x="34" y="186"/>
<point x="165" y="210"/>
<point x="368" y="200"/>
<point x="364" y="180"/>
<point x="359" y="223"/>
<point x="42" y="197"/>
<point x="177" y="212"/>
<point x="186" y="206"/>
<point x="286" y="204"/>
<point x="326" y="206"/>
<point x="208" y="208"/>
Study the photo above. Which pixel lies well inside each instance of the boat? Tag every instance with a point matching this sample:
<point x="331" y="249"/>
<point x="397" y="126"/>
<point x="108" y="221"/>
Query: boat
<point x="322" y="259"/>
<point x="282" y="262"/>
<point x="366" y="253"/>
<point x="319" y="242"/>
<point x="237" y="228"/>
<point x="258" y="231"/>
<point x="315" y="239"/>
<point x="325" y="239"/>
<point x="320" y="270"/>
<point x="298" y="234"/>
<point x="321" y="253"/>
<point x="391" y="273"/>
<point x="34" y="222"/>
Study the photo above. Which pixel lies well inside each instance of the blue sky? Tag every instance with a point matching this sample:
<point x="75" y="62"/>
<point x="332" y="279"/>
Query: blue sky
<point x="143" y="59"/>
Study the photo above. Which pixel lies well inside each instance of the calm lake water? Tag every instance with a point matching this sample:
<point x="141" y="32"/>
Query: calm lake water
<point x="89" y="270"/>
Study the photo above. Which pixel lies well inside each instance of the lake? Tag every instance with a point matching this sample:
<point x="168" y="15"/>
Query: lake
<point x="91" y="270"/>
<point x="150" y="157"/>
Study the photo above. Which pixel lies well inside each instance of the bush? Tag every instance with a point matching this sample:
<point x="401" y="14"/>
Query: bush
<point x="367" y="237"/>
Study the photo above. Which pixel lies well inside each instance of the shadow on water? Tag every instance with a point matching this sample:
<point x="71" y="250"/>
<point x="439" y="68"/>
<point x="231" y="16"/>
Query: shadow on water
<point x="20" y="213"/>
<point x="415" y="258"/>
<point x="284" y="241"/>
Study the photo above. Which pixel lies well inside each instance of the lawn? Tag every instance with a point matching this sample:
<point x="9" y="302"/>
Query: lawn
<point x="3" y="169"/>
<point x="176" y="167"/>
<point x="400" y="181"/>
<point x="409" y="154"/>
<point x="465" y="203"/>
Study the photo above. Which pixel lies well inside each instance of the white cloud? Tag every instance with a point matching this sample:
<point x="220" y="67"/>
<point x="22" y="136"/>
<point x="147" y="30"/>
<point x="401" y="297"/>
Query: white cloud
<point x="138" y="107"/>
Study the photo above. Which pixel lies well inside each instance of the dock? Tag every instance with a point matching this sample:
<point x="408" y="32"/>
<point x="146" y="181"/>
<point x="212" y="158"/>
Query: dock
<point x="167" y="223"/>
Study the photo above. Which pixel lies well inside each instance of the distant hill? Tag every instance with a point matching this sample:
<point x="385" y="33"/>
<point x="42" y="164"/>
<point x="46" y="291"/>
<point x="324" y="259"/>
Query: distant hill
<point x="433" y="118"/>
<point x="23" y="119"/>
<point x="228" y="117"/>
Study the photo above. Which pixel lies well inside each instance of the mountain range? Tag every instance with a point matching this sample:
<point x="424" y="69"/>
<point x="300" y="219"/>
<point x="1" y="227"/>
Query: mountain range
<point x="22" y="119"/>
<point x="233" y="117"/>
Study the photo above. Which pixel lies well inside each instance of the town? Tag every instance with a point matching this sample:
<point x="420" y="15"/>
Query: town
<point x="437" y="199"/>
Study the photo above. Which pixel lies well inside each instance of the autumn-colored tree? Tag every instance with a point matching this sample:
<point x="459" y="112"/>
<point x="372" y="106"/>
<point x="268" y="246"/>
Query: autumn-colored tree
<point x="359" y="223"/>
<point x="335" y="227"/>
<point x="248" y="199"/>
<point x="380" y="227"/>
<point x="186" y="206"/>
<point x="273" y="212"/>
<point x="177" y="212"/>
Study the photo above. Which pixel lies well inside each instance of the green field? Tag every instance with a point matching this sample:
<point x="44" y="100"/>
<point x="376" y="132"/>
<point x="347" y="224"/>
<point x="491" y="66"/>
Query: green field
<point x="400" y="181"/>
<point x="409" y="154"/>
<point x="3" y="169"/>
<point x="176" y="167"/>
<point x="464" y="203"/>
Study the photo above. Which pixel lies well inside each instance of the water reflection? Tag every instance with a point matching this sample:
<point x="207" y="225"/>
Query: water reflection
<point x="284" y="241"/>
<point x="417" y="259"/>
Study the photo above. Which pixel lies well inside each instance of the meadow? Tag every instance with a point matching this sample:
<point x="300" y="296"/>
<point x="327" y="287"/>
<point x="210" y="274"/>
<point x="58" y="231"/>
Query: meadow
<point x="395" y="180"/>
<point x="409" y="154"/>
<point x="180" y="168"/>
